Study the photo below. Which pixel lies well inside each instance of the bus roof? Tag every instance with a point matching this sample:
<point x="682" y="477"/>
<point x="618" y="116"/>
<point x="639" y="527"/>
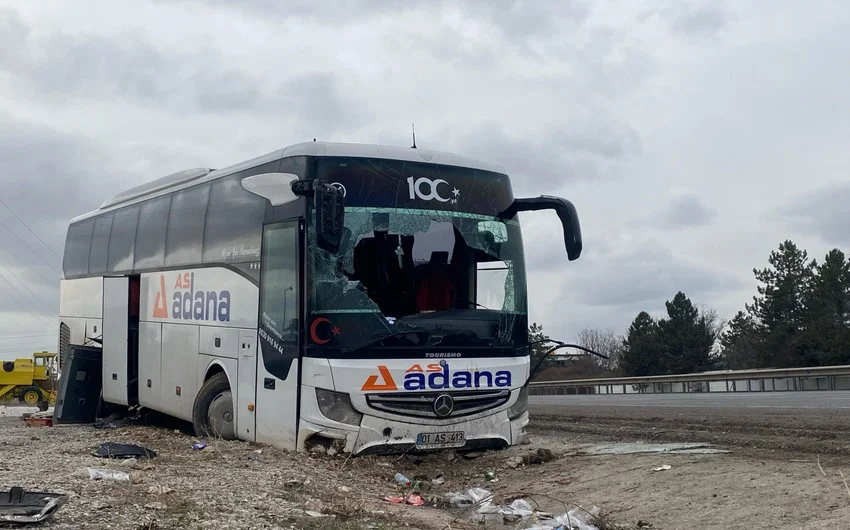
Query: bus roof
<point x="188" y="177"/>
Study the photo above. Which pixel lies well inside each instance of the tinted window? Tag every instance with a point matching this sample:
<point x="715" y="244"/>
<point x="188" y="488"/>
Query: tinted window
<point x="122" y="240"/>
<point x="77" y="247"/>
<point x="150" y="237"/>
<point x="186" y="226"/>
<point x="234" y="223"/>
<point x="100" y="244"/>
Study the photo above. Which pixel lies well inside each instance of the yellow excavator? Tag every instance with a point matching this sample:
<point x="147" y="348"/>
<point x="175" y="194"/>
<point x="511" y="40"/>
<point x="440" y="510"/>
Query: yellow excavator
<point x="31" y="381"/>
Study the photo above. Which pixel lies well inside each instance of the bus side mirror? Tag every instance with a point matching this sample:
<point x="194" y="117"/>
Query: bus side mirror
<point x="566" y="213"/>
<point x="330" y="217"/>
<point x="329" y="205"/>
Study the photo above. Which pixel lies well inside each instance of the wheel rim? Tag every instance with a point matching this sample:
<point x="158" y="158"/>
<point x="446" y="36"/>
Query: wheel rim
<point x="220" y="416"/>
<point x="31" y="397"/>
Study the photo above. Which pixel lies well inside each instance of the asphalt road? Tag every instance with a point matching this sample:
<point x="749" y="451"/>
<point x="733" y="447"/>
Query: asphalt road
<point x="752" y="400"/>
<point x="782" y="422"/>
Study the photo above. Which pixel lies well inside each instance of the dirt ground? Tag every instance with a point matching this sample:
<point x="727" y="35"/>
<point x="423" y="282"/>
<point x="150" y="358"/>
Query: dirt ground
<point x="240" y="485"/>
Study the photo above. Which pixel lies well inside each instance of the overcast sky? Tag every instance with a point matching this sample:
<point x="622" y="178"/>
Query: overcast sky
<point x="693" y="137"/>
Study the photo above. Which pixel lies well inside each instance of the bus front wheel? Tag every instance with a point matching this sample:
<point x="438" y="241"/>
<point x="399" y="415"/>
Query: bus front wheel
<point x="213" y="412"/>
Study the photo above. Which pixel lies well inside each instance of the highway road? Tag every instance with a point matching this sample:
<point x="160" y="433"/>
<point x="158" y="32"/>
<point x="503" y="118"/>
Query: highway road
<point x="752" y="400"/>
<point x="780" y="422"/>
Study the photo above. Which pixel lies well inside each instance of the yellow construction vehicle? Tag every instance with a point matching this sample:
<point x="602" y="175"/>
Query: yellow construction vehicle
<point x="30" y="381"/>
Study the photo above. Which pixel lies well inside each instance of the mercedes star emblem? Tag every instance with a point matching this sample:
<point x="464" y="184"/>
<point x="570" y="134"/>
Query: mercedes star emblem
<point x="443" y="405"/>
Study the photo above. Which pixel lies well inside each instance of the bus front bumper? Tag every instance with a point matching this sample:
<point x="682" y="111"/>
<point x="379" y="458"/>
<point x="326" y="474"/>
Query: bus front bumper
<point x="377" y="435"/>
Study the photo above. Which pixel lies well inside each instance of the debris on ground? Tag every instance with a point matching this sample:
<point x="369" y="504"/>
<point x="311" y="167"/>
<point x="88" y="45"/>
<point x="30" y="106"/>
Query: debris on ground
<point x="541" y="456"/>
<point x="105" y="474"/>
<point x="18" y="506"/>
<point x="413" y="499"/>
<point x="199" y="446"/>
<point x="575" y="519"/>
<point x="635" y="448"/>
<point x="118" y="450"/>
<point x="479" y="508"/>
<point x="665" y="467"/>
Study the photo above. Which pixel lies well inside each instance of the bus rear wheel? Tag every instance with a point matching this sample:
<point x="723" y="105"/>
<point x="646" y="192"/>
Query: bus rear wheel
<point x="213" y="412"/>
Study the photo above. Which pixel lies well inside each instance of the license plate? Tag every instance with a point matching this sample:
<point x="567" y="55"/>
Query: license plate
<point x="440" y="439"/>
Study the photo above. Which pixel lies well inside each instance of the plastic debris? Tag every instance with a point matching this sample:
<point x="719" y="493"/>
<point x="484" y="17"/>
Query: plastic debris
<point x="514" y="462"/>
<point x="116" y="450"/>
<point x="26" y="507"/>
<point x="106" y="474"/>
<point x="575" y="519"/>
<point x="519" y="510"/>
<point x="199" y="446"/>
<point x="313" y="513"/>
<point x="490" y="476"/>
<point x="413" y="499"/>
<point x="665" y="467"/>
<point x="401" y="479"/>
<point x="468" y="497"/>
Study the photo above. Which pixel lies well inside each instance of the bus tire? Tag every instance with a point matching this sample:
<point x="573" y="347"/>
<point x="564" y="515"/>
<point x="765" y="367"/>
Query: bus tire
<point x="212" y="415"/>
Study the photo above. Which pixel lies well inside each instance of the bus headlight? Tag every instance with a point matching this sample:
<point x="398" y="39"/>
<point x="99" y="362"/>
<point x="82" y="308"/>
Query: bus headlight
<point x="521" y="404"/>
<point x="336" y="406"/>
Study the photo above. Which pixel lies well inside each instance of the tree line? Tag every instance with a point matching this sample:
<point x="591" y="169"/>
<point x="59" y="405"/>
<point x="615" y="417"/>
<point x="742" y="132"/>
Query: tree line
<point x="799" y="316"/>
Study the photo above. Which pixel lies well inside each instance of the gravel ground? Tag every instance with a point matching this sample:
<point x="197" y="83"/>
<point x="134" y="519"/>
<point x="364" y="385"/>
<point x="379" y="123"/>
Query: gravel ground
<point x="232" y="485"/>
<point x="760" y="431"/>
<point x="240" y="485"/>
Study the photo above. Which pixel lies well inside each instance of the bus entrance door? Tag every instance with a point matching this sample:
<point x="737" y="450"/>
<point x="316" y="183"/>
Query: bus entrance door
<point x="115" y="329"/>
<point x="279" y="366"/>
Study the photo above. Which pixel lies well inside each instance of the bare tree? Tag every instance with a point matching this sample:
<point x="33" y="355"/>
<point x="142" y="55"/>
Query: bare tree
<point x="603" y="341"/>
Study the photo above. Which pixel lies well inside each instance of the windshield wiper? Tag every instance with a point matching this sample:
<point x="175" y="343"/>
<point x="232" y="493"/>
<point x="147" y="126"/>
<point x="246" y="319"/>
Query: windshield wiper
<point x="384" y="336"/>
<point x="442" y="335"/>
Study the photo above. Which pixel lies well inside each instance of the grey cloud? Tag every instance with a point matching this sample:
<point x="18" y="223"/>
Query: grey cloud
<point x="684" y="211"/>
<point x="529" y="19"/>
<point x="697" y="19"/>
<point x="823" y="213"/>
<point x="64" y="67"/>
<point x="47" y="178"/>
<point x="320" y="10"/>
<point x="642" y="277"/>
<point x="578" y="151"/>
<point x="516" y="20"/>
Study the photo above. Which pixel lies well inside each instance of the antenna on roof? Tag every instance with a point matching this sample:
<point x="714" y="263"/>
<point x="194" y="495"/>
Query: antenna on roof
<point x="413" y="127"/>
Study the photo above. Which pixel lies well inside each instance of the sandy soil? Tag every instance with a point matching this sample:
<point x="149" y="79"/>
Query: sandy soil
<point x="241" y="485"/>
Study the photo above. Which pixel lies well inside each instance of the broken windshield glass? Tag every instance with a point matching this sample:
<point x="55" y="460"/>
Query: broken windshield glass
<point x="456" y="272"/>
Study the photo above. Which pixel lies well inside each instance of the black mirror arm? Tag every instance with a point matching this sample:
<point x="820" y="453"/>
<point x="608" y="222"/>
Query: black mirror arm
<point x="558" y="345"/>
<point x="566" y="213"/>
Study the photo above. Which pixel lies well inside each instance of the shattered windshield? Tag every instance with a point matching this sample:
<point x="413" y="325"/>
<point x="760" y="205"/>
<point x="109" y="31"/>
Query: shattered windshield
<point x="457" y="275"/>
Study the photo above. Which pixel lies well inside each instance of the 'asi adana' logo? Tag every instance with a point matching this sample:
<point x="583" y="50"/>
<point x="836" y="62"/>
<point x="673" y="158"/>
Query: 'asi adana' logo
<point x="436" y="377"/>
<point x="189" y="304"/>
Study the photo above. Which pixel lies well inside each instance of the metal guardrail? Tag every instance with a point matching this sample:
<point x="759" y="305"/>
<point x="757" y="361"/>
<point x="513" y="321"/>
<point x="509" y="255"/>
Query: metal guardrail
<point x="789" y="379"/>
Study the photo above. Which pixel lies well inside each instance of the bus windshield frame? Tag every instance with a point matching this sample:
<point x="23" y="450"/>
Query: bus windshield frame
<point x="398" y="248"/>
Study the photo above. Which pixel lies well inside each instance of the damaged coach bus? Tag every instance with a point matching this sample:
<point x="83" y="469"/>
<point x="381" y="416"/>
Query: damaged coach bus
<point x="364" y="297"/>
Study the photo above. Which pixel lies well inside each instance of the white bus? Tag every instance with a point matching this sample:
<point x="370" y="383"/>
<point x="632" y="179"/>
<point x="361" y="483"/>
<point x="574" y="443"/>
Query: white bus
<point x="366" y="298"/>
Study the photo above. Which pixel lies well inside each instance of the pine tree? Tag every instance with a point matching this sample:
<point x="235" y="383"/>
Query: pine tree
<point x="687" y="338"/>
<point x="827" y="312"/>
<point x="641" y="349"/>
<point x="740" y="343"/>
<point x="779" y="307"/>
<point x="541" y="342"/>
